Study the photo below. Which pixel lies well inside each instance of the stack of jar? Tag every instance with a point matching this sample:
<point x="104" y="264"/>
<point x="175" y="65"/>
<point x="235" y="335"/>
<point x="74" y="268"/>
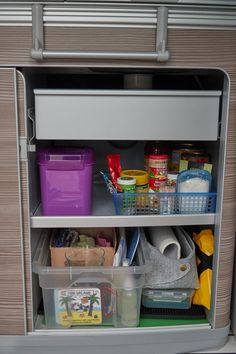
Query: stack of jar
<point x="137" y="182"/>
<point x="156" y="164"/>
<point x="194" y="155"/>
<point x="139" y="179"/>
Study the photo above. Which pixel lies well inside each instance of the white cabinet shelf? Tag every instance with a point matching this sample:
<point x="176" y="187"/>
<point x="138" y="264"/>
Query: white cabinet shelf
<point x="37" y="220"/>
<point x="104" y="216"/>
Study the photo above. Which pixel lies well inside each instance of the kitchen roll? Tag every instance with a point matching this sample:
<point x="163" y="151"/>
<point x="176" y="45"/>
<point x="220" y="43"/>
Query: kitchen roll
<point x="164" y="239"/>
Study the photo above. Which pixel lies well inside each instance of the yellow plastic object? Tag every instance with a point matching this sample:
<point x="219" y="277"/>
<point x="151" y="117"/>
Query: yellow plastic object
<point x="204" y="242"/>
<point x="140" y="176"/>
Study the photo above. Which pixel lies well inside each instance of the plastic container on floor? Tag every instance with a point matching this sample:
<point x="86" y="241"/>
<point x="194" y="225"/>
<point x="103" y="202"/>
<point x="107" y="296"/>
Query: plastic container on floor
<point x="66" y="180"/>
<point x="75" y="296"/>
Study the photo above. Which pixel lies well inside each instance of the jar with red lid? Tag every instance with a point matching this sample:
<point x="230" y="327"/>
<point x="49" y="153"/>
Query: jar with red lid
<point x="152" y="148"/>
<point x="157" y="170"/>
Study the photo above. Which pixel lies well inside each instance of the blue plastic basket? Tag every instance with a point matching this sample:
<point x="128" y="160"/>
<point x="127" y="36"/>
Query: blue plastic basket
<point x="164" y="203"/>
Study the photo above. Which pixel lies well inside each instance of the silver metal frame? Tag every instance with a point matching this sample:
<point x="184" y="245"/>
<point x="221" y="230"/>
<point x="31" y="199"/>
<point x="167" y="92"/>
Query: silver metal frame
<point x="20" y="203"/>
<point x="39" y="53"/>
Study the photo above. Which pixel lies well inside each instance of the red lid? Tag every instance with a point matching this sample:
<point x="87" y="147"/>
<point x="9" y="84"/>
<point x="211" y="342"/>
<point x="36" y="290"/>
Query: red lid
<point x="158" y="157"/>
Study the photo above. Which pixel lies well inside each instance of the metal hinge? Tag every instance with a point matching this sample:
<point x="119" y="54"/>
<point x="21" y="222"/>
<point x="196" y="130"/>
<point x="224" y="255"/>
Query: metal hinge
<point x="25" y="148"/>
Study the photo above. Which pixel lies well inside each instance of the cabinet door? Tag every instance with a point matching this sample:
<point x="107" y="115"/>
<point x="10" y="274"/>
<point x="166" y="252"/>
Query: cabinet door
<point x="12" y="317"/>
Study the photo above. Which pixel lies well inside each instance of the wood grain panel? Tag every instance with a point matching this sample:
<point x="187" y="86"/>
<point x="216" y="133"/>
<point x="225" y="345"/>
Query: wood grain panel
<point x="26" y="242"/>
<point x="21" y="104"/>
<point x="11" y="294"/>
<point x="188" y="48"/>
<point x="25" y="202"/>
<point x="99" y="39"/>
<point x="16" y="43"/>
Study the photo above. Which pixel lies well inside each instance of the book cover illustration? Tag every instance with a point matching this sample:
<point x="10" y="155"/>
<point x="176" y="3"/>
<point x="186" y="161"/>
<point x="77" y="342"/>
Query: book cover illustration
<point x="78" y="306"/>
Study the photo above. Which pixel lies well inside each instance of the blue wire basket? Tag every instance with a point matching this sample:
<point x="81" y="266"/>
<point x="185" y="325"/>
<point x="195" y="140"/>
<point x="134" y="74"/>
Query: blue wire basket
<point x="164" y="203"/>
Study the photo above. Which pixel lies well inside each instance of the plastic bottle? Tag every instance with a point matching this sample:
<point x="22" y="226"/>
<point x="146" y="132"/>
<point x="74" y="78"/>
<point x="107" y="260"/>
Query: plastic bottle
<point x="129" y="301"/>
<point x="153" y="148"/>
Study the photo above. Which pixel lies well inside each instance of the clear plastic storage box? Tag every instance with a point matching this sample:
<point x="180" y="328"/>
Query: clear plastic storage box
<point x="66" y="180"/>
<point x="75" y="296"/>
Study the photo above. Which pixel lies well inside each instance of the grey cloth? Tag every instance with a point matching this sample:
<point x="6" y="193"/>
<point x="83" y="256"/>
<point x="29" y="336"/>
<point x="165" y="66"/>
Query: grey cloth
<point x="168" y="273"/>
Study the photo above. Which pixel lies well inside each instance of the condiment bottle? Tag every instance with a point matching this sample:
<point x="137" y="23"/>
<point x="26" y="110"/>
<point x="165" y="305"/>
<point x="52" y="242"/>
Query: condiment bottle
<point x="157" y="171"/>
<point x="152" y="148"/>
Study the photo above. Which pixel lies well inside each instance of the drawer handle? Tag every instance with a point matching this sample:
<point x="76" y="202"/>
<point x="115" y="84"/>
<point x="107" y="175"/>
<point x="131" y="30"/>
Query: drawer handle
<point x="38" y="52"/>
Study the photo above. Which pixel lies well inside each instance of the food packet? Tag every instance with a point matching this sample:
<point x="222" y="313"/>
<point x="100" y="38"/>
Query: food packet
<point x="114" y="167"/>
<point x="204" y="243"/>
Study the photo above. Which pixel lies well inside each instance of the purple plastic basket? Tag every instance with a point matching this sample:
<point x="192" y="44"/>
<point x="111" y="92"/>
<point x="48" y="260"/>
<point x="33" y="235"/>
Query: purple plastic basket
<point x="66" y="180"/>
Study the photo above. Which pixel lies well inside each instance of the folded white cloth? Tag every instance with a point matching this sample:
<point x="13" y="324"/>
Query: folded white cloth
<point x="164" y="239"/>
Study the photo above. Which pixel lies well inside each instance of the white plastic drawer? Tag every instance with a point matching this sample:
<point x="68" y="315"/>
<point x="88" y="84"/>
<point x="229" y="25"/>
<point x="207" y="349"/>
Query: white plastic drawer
<point x="127" y="114"/>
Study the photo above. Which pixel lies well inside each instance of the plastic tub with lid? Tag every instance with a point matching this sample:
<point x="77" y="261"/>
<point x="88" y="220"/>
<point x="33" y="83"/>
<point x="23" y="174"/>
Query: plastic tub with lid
<point x="66" y="180"/>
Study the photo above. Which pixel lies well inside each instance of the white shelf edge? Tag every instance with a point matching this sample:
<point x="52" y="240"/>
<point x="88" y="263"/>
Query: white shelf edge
<point x="96" y="331"/>
<point x="120" y="220"/>
<point x="40" y="329"/>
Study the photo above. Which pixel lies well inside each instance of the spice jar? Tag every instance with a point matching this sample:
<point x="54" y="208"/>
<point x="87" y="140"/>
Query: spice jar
<point x="158" y="167"/>
<point x="141" y="178"/>
<point x="156" y="185"/>
<point x="126" y="184"/>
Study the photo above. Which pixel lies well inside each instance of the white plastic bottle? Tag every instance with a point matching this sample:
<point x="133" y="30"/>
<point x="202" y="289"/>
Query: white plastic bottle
<point x="129" y="301"/>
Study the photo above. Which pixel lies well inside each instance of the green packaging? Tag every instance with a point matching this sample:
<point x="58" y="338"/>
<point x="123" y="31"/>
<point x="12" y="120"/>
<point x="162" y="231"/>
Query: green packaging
<point x="126" y="184"/>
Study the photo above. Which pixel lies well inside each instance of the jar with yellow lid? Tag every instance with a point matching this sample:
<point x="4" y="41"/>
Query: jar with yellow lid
<point x="141" y="179"/>
<point x="141" y="185"/>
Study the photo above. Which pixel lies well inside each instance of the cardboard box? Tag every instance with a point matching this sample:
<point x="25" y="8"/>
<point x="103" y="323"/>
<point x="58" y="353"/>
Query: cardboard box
<point x="58" y="254"/>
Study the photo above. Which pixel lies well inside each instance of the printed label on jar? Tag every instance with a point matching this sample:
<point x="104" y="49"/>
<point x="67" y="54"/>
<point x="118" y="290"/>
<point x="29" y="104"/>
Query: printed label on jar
<point x="159" y="173"/>
<point x="142" y="189"/>
<point x="155" y="185"/>
<point x="158" y="166"/>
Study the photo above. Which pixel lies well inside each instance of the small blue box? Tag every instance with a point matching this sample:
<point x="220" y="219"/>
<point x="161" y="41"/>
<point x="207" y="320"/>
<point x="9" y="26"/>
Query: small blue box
<point x="170" y="299"/>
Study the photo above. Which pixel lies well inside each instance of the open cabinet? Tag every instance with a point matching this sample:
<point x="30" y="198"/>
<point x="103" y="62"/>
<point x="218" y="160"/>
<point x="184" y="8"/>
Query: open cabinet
<point x="54" y="95"/>
<point x="94" y="105"/>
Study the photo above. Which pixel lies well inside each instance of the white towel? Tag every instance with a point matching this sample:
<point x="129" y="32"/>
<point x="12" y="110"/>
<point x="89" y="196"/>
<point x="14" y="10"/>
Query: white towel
<point x="164" y="239"/>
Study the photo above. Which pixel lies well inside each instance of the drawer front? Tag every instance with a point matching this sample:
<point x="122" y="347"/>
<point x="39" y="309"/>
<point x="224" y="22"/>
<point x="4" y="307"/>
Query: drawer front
<point x="126" y="115"/>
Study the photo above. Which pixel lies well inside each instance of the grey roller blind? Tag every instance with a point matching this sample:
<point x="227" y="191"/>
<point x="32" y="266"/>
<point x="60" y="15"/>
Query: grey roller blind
<point x="127" y="14"/>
